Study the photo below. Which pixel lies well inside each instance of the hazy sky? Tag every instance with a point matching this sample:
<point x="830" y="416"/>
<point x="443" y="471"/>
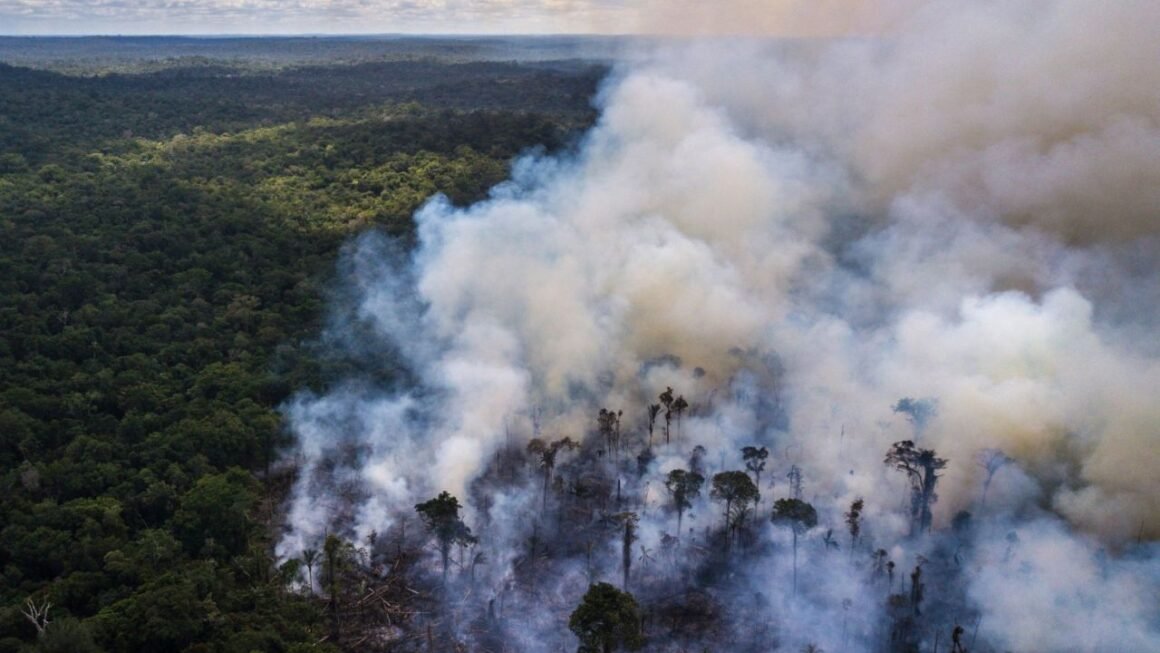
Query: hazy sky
<point x="784" y="17"/>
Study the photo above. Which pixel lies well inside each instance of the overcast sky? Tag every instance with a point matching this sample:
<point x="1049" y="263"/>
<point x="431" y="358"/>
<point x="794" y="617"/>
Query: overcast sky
<point x="782" y="17"/>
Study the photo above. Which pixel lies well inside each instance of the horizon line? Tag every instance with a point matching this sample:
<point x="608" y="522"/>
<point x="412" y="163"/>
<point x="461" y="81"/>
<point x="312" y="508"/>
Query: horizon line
<point x="214" y="35"/>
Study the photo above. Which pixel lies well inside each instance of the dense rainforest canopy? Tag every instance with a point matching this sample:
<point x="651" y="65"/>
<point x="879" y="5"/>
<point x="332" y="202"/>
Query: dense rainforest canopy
<point x="169" y="237"/>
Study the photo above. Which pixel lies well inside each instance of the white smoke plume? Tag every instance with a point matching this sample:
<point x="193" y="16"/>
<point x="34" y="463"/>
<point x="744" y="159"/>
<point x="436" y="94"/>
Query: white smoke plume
<point x="965" y="207"/>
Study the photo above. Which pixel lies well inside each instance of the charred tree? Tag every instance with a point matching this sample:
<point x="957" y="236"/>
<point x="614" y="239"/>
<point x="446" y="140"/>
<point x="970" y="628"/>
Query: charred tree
<point x="679" y="407"/>
<point x="991" y="460"/>
<point x="653" y="411"/>
<point x="666" y="399"/>
<point x="545" y="454"/>
<point x="629" y="521"/>
<point x="795" y="481"/>
<point x="608" y="424"/>
<point x="854" y="522"/>
<point x="683" y="486"/>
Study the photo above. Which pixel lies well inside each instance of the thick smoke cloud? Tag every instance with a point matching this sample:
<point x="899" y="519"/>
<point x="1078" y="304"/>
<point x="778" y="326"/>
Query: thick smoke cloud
<point x="778" y="18"/>
<point x="1047" y="590"/>
<point x="963" y="210"/>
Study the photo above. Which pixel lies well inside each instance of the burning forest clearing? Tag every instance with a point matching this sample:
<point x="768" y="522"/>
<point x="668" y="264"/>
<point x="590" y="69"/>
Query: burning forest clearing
<point x="841" y="346"/>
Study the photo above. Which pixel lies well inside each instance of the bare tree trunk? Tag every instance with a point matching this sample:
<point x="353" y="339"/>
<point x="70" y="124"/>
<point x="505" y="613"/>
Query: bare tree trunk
<point x="794" y="561"/>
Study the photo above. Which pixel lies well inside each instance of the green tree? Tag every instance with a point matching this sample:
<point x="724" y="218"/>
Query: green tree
<point x="754" y="458"/>
<point x="164" y="615"/>
<point x="607" y="620"/>
<point x="441" y="517"/>
<point x="736" y="490"/>
<point x="66" y="636"/>
<point x="799" y="516"/>
<point x="213" y="518"/>
<point x="337" y="555"/>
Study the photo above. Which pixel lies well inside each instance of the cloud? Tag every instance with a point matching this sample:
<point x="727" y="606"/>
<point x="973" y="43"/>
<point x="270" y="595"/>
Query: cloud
<point x="782" y="18"/>
<point x="312" y="16"/>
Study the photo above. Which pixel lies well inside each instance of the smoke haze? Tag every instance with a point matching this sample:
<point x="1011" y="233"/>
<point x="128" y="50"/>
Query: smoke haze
<point x="795" y="236"/>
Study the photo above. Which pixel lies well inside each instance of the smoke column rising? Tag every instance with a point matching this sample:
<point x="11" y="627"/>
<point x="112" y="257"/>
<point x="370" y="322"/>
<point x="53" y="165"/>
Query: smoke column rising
<point x="964" y="208"/>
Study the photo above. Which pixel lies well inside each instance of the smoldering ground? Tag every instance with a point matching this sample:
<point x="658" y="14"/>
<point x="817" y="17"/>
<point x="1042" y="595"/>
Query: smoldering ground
<point x="795" y="236"/>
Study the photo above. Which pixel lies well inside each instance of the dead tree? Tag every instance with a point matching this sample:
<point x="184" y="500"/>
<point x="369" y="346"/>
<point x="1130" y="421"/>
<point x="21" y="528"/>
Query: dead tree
<point x="679" y="406"/>
<point x="854" y="522"/>
<point x="653" y="411"/>
<point x="918" y="411"/>
<point x="608" y="423"/>
<point x="547" y="460"/>
<point x="666" y="398"/>
<point x="629" y="521"/>
<point x="991" y="460"/>
<point x="795" y="481"/>
<point x="37" y="614"/>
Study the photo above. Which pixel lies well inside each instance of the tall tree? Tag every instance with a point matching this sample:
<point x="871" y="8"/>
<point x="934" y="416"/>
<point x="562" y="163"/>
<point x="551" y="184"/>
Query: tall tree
<point x="66" y="635"/>
<point x="918" y="411"/>
<point x="917" y="590"/>
<point x="545" y="453"/>
<point x="666" y="398"/>
<point x="754" y="458"/>
<point x="441" y="517"/>
<point x="799" y="516"/>
<point x="607" y="620"/>
<point x="921" y="467"/>
<point x="679" y="406"/>
<point x="310" y="558"/>
<point x="336" y="554"/>
<point x="629" y="521"/>
<point x="697" y="459"/>
<point x="795" y="481"/>
<point x="683" y="486"/>
<point x="608" y="423"/>
<point x="854" y="522"/>
<point x="653" y="411"/>
<point x="737" y="491"/>
<point x="957" y="640"/>
<point x="991" y="460"/>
